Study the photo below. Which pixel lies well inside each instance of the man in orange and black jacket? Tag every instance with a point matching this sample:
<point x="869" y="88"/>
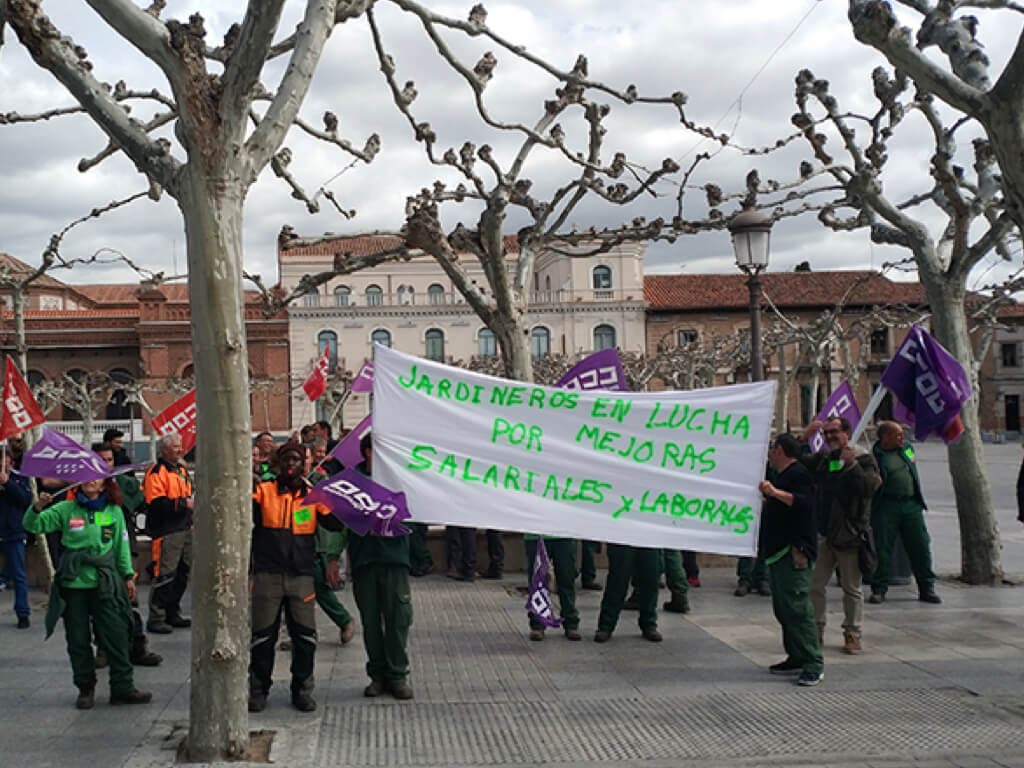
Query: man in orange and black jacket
<point x="283" y="555"/>
<point x="169" y="498"/>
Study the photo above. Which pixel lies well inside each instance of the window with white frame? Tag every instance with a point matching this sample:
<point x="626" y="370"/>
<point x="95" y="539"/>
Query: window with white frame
<point x="342" y="296"/>
<point x="604" y="337"/>
<point x="374" y="296"/>
<point x="435" y="294"/>
<point x="435" y="345"/>
<point x="540" y="341"/>
<point x="487" y="344"/>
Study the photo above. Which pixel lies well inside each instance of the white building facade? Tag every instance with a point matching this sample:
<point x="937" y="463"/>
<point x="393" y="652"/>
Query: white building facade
<point x="576" y="305"/>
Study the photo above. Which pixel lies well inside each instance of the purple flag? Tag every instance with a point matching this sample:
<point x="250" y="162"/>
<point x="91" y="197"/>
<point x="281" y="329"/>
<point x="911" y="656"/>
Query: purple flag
<point x="363" y="382"/>
<point x="538" y="601"/>
<point x="347" y="449"/>
<point x="841" y="403"/>
<point x="58" y="456"/>
<point x="930" y="385"/>
<point x="601" y="370"/>
<point x="361" y="504"/>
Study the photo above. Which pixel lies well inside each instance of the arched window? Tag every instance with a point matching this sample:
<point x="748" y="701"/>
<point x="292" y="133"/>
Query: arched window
<point x="34" y="379"/>
<point x="488" y="346"/>
<point x="382" y="337"/>
<point x="374" y="296"/>
<point x="328" y="340"/>
<point x="435" y="345"/>
<point x="604" y="337"/>
<point x="311" y="298"/>
<point x="405" y="294"/>
<point x="342" y="296"/>
<point x="602" y="278"/>
<point x="435" y="294"/>
<point x="119" y="407"/>
<point x="540" y="341"/>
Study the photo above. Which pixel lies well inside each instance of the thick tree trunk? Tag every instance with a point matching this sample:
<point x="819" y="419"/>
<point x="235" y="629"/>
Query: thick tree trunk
<point x="218" y="714"/>
<point x="514" y="342"/>
<point x="979" y="532"/>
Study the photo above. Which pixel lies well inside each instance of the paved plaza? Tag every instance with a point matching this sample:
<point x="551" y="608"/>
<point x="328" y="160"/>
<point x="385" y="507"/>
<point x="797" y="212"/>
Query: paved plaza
<point x="935" y="686"/>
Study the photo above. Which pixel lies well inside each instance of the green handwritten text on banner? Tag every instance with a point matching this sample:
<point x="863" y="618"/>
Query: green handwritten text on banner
<point x="661" y="469"/>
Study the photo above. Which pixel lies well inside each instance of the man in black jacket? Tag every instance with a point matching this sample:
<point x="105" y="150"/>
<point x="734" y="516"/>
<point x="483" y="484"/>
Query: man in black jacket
<point x="788" y="546"/>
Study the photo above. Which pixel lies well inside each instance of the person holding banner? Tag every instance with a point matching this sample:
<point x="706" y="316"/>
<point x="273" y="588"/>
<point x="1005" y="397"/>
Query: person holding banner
<point x="788" y="546"/>
<point x="563" y="555"/>
<point x="170" y="502"/>
<point x="380" y="581"/>
<point x="283" y="564"/>
<point x="898" y="512"/>
<point x="844" y="482"/>
<point x="93" y="586"/>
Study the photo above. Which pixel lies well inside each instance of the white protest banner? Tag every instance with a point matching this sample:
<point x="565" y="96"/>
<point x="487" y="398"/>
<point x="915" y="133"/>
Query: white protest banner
<point x="673" y="469"/>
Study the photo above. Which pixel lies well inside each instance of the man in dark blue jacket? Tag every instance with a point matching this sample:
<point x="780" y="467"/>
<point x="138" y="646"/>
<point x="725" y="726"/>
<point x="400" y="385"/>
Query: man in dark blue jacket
<point x="15" y="496"/>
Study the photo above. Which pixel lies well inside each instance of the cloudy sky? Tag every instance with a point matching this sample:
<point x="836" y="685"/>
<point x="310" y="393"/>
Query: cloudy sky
<point x="735" y="60"/>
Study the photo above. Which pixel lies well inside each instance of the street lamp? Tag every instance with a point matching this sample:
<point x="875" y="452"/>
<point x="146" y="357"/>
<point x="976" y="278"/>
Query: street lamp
<point x="751" y="233"/>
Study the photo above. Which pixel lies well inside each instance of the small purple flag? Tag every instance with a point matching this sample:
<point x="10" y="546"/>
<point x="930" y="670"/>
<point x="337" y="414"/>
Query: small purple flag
<point x="363" y="382"/>
<point x="930" y="384"/>
<point x="538" y="601"/>
<point x="841" y="403"/>
<point x="58" y="456"/>
<point x="361" y="504"/>
<point x="601" y="370"/>
<point x="347" y="449"/>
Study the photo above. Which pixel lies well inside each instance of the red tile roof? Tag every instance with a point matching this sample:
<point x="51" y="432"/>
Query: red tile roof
<point x="362" y="245"/>
<point x="785" y="289"/>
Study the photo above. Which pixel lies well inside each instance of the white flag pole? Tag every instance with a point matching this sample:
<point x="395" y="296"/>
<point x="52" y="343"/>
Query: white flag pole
<point x="865" y="418"/>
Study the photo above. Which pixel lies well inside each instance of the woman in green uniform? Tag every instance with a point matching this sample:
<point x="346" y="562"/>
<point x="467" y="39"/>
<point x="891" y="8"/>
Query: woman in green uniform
<point x="93" y="585"/>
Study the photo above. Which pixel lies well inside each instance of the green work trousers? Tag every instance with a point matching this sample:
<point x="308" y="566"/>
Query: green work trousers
<point x="588" y="562"/>
<point x="385" y="608"/>
<point x="419" y="552"/>
<point x="791" y="602"/>
<point x="750" y="571"/>
<point x="902" y="519"/>
<point x="326" y="597"/>
<point x="562" y="553"/>
<point x="85" y="609"/>
<point x="675" y="576"/>
<point x="624" y="562"/>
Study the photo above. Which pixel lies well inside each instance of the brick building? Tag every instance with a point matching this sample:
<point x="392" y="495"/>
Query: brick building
<point x="138" y="334"/>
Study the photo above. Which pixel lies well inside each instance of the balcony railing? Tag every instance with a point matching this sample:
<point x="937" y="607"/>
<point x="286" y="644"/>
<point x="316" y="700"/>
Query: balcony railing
<point x="447" y="299"/>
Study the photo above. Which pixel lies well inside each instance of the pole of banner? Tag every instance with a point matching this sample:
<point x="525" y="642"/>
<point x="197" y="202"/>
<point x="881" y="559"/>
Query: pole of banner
<point x="869" y="412"/>
<point x="341" y="404"/>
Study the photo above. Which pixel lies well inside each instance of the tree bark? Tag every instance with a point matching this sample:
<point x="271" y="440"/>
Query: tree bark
<point x="218" y="715"/>
<point x="514" y="341"/>
<point x="979" y="531"/>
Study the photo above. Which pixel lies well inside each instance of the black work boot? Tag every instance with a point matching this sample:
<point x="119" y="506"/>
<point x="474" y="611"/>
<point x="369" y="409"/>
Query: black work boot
<point x="303" y="701"/>
<point x="86" y="696"/>
<point x="374" y="689"/>
<point x="257" y="700"/>
<point x="141" y="656"/>
<point x="134" y="696"/>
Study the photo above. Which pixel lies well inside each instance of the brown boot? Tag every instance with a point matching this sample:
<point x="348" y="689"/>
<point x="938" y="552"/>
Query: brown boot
<point x="851" y="644"/>
<point x="86" y="696"/>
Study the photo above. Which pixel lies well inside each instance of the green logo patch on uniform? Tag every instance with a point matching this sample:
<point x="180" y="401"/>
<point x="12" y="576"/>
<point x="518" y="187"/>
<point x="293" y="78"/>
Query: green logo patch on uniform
<point x="103" y="518"/>
<point x="303" y="515"/>
<point x="835" y="465"/>
<point x="909" y="453"/>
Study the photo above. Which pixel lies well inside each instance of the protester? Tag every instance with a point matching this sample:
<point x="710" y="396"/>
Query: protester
<point x="92" y="586"/>
<point x="897" y="512"/>
<point x="751" y="576"/>
<point x="283" y="564"/>
<point x="622" y="560"/>
<point x="691" y="567"/>
<point x="327" y="574"/>
<point x="844" y="483"/>
<point x="788" y="547"/>
<point x="562" y="553"/>
<point x="380" y="580"/>
<point x="170" y="500"/>
<point x="15" y="496"/>
<point x="588" y="565"/>
<point x="115" y="438"/>
<point x="131" y="499"/>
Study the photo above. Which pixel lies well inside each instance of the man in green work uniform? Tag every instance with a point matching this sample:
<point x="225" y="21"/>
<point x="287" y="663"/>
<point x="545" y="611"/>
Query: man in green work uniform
<point x="327" y="565"/>
<point x="789" y="545"/>
<point x="380" y="580"/>
<point x="897" y="511"/>
<point x="622" y="561"/>
<point x="562" y="553"/>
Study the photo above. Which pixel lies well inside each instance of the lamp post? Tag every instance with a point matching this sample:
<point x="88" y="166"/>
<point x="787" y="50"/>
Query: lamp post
<point x="751" y="233"/>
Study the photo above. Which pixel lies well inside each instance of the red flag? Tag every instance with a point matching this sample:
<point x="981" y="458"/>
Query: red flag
<point x="316" y="383"/>
<point x="180" y="417"/>
<point x="20" y="409"/>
